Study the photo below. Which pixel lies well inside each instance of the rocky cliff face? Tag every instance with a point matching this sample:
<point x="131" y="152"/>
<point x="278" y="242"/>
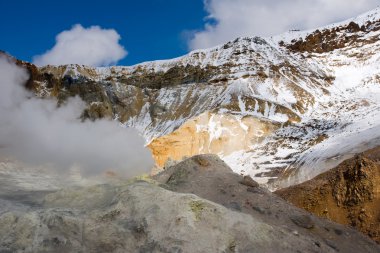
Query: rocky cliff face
<point x="230" y="214"/>
<point x="291" y="100"/>
<point x="348" y="194"/>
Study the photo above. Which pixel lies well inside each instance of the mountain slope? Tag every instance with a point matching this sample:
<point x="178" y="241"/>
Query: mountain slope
<point x="293" y="99"/>
<point x="348" y="194"/>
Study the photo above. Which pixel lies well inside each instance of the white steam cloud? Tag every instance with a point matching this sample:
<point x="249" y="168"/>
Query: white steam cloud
<point x="38" y="132"/>
<point x="229" y="19"/>
<point x="91" y="46"/>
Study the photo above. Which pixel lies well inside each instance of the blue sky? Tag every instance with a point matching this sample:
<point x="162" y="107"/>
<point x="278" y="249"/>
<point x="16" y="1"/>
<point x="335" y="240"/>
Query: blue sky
<point x="149" y="29"/>
<point x="42" y="31"/>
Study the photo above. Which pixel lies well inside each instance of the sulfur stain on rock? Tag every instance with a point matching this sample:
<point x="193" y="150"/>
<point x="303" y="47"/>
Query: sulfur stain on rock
<point x="197" y="208"/>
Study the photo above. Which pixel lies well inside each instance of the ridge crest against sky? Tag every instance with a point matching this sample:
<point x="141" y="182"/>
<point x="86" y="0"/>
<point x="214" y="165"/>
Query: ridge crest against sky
<point x="229" y="19"/>
<point x="152" y="29"/>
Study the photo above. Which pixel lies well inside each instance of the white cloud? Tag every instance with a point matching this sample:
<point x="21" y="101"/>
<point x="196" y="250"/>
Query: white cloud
<point x="91" y="46"/>
<point x="229" y="19"/>
<point x="37" y="132"/>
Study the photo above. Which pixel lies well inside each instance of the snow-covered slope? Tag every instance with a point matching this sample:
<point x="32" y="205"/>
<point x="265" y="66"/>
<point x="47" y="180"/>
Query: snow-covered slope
<point x="299" y="102"/>
<point x="248" y="76"/>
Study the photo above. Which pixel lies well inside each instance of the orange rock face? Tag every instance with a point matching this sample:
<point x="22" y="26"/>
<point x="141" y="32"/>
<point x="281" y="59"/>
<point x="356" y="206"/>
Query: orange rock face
<point x="348" y="194"/>
<point x="210" y="133"/>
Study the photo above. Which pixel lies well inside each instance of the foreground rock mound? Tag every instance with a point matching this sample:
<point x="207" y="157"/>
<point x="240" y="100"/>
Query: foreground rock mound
<point x="348" y="194"/>
<point x="143" y="216"/>
<point x="139" y="217"/>
<point x="210" y="178"/>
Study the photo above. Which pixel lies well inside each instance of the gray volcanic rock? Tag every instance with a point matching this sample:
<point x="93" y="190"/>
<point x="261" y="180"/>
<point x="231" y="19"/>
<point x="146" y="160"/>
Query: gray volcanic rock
<point x="209" y="177"/>
<point x="142" y="216"/>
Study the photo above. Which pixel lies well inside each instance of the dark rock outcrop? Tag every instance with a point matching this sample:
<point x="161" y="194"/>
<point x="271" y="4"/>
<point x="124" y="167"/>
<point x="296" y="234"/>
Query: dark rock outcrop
<point x="330" y="39"/>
